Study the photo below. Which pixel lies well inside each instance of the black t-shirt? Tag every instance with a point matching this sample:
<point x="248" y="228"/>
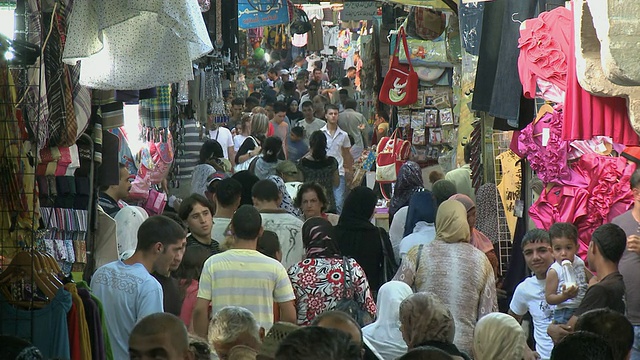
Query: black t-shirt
<point x="213" y="248"/>
<point x="608" y="293"/>
<point x="171" y="294"/>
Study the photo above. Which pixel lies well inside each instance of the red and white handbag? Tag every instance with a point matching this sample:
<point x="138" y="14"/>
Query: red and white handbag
<point x="392" y="153"/>
<point x="400" y="86"/>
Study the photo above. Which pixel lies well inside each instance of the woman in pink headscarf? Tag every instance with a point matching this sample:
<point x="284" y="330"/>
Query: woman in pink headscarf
<point x="478" y="239"/>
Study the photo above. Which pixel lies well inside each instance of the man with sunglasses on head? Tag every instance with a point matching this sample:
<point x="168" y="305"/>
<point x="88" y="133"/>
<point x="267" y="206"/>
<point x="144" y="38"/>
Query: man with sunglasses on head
<point x="529" y="294"/>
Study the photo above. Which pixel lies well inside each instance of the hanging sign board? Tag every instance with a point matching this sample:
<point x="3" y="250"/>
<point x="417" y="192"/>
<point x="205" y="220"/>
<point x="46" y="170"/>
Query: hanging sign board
<point x="259" y="13"/>
<point x="361" y="10"/>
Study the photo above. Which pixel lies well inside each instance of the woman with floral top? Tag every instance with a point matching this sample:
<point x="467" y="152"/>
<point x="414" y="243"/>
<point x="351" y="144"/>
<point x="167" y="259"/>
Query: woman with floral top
<point x="318" y="280"/>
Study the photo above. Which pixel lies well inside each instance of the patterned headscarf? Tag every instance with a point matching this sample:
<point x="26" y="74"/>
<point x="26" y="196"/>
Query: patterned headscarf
<point x="451" y="222"/>
<point x="317" y="238"/>
<point x="490" y="209"/>
<point x="409" y="180"/>
<point x="425" y="318"/>
<point x="498" y="336"/>
<point x="287" y="202"/>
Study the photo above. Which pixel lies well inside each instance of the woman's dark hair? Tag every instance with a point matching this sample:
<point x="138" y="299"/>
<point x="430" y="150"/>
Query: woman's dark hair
<point x="272" y="146"/>
<point x="211" y="149"/>
<point x="311" y="186"/>
<point x="318" y="145"/>
<point x="190" y="268"/>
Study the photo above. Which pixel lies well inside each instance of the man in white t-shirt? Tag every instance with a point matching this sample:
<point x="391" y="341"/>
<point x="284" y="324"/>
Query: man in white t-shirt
<point x="223" y="135"/>
<point x="267" y="199"/>
<point x="310" y="123"/>
<point x="529" y="294"/>
<point x="338" y="146"/>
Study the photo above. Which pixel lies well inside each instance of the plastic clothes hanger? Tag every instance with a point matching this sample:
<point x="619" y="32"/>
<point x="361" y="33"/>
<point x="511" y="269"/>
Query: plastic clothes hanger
<point x="544" y="110"/>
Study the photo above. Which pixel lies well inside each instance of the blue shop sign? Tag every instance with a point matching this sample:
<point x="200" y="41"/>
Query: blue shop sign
<point x="259" y="13"/>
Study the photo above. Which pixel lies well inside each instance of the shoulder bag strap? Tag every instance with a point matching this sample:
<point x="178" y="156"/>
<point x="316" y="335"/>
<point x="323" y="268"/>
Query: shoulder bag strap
<point x="387" y="248"/>
<point x="346" y="269"/>
<point x="403" y="34"/>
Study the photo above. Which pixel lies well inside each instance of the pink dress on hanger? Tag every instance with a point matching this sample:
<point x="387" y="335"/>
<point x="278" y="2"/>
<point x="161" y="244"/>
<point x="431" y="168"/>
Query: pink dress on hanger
<point x="587" y="115"/>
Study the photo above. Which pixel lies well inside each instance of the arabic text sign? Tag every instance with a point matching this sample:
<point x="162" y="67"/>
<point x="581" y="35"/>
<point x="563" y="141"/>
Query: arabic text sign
<point x="259" y="13"/>
<point x="360" y="10"/>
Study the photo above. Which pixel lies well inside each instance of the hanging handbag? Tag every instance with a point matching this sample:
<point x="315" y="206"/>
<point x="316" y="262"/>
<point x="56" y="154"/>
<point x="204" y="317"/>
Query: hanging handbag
<point x="348" y="304"/>
<point x="400" y="86"/>
<point x="392" y="153"/>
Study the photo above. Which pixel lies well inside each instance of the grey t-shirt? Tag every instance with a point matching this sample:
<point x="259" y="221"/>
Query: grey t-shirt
<point x="629" y="267"/>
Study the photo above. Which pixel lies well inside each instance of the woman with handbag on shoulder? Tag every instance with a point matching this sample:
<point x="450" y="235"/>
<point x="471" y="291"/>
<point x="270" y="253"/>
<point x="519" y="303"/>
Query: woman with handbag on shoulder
<point x="365" y="242"/>
<point x="326" y="280"/>
<point x="252" y="145"/>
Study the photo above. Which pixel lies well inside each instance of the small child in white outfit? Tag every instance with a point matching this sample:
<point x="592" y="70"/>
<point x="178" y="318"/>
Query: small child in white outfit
<point x="564" y="243"/>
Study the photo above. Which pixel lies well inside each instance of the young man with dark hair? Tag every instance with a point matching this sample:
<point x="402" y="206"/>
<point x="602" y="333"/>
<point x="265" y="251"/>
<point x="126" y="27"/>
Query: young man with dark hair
<point x="241" y="276"/>
<point x="462" y="175"/>
<point x="529" y="294"/>
<point x="312" y="91"/>
<point x="612" y="326"/>
<point x="267" y="199"/>
<point x="250" y="103"/>
<point x="112" y="194"/>
<point x="196" y="211"/>
<point x="630" y="263"/>
<point x="295" y="145"/>
<point x="317" y="343"/>
<point x="159" y="335"/>
<point x="227" y="198"/>
<point x="126" y="288"/>
<point x="237" y="107"/>
<point x="280" y="122"/>
<point x="584" y="346"/>
<point x="607" y="244"/>
<point x="338" y="146"/>
<point x="354" y="123"/>
<point x="310" y="123"/>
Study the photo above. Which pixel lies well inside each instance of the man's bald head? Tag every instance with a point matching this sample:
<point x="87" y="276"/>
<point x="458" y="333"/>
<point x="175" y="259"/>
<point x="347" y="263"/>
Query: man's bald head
<point x="160" y="334"/>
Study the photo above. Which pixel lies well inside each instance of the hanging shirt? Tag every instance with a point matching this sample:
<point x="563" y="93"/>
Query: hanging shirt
<point x="46" y="327"/>
<point x="510" y="186"/>
<point x="315" y="40"/>
<point x="299" y="40"/>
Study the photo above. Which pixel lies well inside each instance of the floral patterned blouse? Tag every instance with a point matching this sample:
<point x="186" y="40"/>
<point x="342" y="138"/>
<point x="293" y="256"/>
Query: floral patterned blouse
<point x="318" y="285"/>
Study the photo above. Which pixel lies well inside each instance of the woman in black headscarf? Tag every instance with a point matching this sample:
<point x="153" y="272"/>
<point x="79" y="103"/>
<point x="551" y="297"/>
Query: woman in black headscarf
<point x="318" y="281"/>
<point x="360" y="239"/>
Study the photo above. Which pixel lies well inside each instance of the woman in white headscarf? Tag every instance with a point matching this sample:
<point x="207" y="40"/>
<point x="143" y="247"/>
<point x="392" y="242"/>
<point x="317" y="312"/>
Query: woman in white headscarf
<point x="498" y="336"/>
<point x="384" y="334"/>
<point x="128" y="221"/>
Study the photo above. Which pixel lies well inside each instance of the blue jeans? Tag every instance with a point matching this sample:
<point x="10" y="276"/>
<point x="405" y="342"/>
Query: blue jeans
<point x="635" y="350"/>
<point x="562" y="316"/>
<point x="338" y="194"/>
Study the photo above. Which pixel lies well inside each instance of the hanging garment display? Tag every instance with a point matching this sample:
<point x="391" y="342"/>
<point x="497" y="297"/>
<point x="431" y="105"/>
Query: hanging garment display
<point x="135" y="45"/>
<point x="510" y="186"/>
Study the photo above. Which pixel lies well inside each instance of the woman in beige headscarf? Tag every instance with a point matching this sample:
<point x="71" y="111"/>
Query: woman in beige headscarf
<point x="425" y="321"/>
<point x="454" y="270"/>
<point x="498" y="336"/>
